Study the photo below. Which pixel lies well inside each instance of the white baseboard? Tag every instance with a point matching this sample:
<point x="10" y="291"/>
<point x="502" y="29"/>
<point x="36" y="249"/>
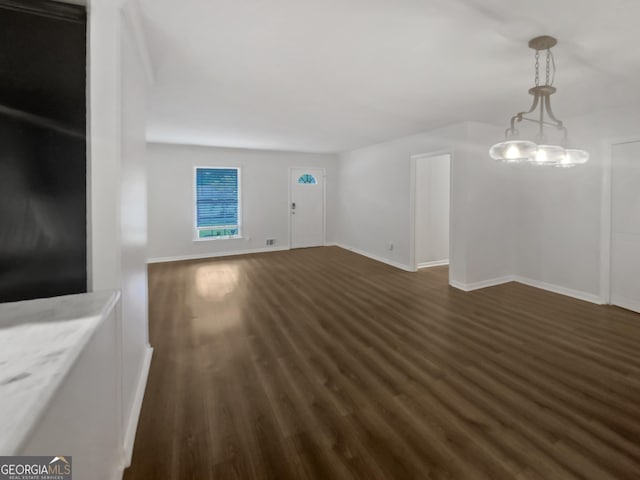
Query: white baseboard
<point x="580" y="295"/>
<point x="626" y="303"/>
<point x="468" y="287"/>
<point x="401" y="266"/>
<point x="132" y="424"/>
<point x="200" y="256"/>
<point x="588" y="297"/>
<point x="436" y="263"/>
<point x="118" y="472"/>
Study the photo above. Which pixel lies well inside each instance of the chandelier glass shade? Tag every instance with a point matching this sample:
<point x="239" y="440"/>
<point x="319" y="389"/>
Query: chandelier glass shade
<point x="539" y="150"/>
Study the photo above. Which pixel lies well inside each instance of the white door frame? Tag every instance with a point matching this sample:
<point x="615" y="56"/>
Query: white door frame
<point x="606" y="247"/>
<point x="412" y="205"/>
<point x="324" y="203"/>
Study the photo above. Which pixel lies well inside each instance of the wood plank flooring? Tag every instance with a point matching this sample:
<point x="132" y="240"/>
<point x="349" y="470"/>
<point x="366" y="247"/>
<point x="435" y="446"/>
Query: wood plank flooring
<point x="322" y="364"/>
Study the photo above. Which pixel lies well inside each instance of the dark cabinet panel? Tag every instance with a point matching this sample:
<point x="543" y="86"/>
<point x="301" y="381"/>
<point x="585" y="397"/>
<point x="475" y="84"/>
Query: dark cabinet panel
<point x="43" y="173"/>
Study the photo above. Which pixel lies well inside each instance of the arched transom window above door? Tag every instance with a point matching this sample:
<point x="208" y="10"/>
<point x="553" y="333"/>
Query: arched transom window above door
<point x="307" y="179"/>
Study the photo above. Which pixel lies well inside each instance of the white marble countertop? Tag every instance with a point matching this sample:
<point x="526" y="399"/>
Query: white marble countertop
<point x="40" y="341"/>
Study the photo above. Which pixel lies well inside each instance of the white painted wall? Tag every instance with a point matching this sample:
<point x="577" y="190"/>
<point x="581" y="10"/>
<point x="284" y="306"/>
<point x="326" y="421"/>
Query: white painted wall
<point x="488" y="223"/>
<point x="104" y="247"/>
<point x="374" y="202"/>
<point x="374" y="193"/>
<point x="562" y="231"/>
<point x="104" y="177"/>
<point x="432" y="209"/>
<point x="133" y="225"/>
<point x="117" y="212"/>
<point x="546" y="227"/>
<point x="265" y="198"/>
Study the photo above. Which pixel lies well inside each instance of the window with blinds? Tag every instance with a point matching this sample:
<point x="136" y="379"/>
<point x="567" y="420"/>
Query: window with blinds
<point x="217" y="203"/>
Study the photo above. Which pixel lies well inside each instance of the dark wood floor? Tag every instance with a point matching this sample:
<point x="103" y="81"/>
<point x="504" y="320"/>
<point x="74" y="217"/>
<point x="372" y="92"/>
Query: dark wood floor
<point x="323" y="364"/>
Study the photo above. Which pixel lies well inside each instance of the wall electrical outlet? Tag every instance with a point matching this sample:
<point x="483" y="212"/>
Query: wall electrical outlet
<point x="271" y="241"/>
<point x="390" y="247"/>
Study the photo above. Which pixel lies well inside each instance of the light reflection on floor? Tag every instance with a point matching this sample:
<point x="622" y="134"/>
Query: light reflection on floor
<point x="216" y="285"/>
<point x="216" y="281"/>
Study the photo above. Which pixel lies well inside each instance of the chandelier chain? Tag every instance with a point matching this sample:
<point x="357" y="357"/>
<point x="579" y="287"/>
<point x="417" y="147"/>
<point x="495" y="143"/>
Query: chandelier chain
<point x="548" y="65"/>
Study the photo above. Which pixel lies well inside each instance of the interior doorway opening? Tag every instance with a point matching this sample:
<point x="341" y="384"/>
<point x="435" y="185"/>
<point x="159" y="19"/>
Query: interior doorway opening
<point x="431" y="192"/>
<point x="625" y="229"/>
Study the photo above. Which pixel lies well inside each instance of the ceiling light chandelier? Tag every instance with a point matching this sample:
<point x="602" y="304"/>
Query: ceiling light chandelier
<point x="539" y="151"/>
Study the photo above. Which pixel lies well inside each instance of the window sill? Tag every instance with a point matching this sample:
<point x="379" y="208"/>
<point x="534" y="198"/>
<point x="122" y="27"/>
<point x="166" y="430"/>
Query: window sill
<point x="208" y="239"/>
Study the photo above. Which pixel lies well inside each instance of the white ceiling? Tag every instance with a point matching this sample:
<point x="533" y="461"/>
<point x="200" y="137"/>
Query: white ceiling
<point x="333" y="75"/>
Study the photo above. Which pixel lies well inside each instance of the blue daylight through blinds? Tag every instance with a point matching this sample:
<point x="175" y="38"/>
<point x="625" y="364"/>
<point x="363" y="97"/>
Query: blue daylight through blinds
<point x="216" y="197"/>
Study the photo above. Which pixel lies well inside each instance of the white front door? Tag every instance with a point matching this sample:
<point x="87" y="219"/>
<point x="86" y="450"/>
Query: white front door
<point x="306" y="207"/>
<point x="625" y="226"/>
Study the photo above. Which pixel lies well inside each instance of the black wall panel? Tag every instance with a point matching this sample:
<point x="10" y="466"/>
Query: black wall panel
<point x="43" y="182"/>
